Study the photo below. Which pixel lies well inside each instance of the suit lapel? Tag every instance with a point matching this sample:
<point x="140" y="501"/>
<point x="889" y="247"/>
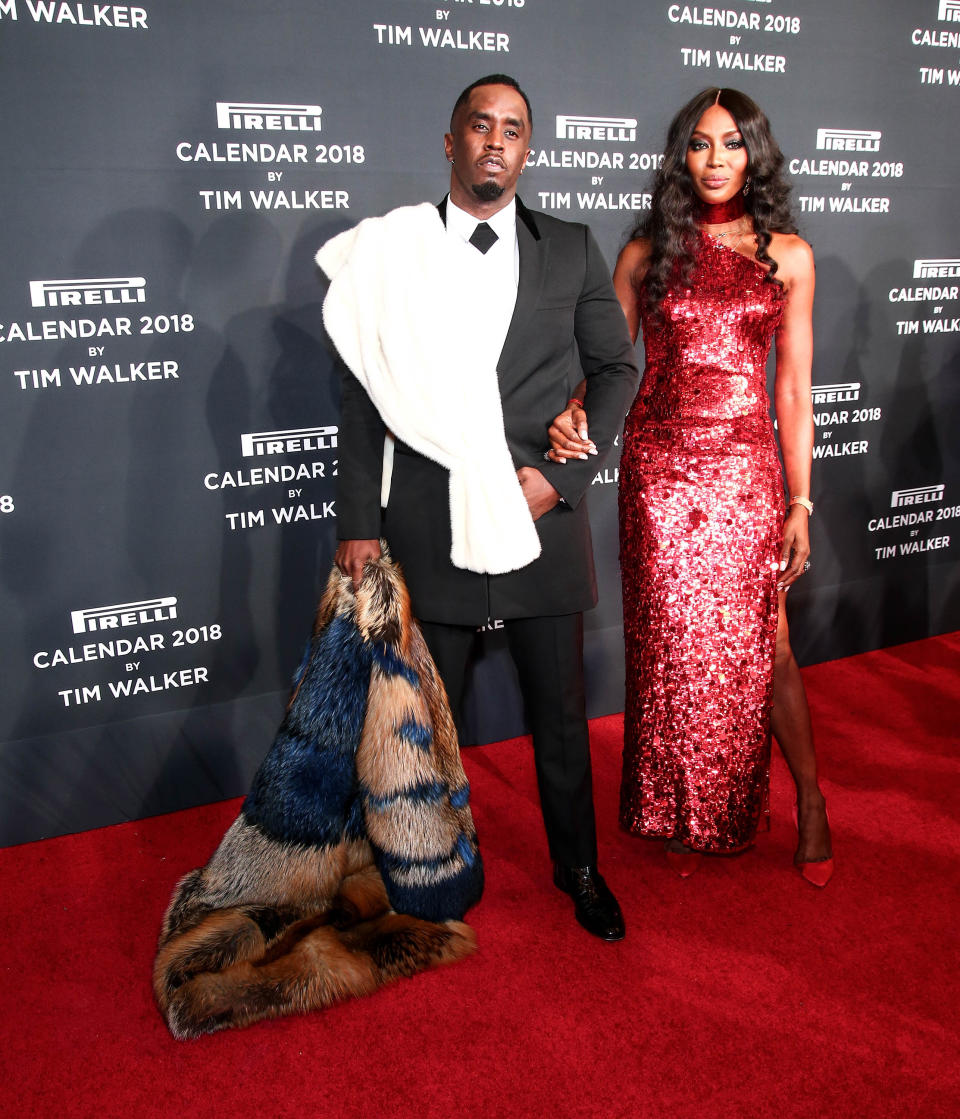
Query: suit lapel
<point x="534" y="254"/>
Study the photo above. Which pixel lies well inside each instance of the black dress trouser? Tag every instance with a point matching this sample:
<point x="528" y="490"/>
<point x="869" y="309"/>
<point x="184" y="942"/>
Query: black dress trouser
<point x="548" y="654"/>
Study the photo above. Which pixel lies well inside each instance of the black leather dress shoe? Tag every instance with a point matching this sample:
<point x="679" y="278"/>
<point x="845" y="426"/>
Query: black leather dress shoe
<point x="594" y="905"/>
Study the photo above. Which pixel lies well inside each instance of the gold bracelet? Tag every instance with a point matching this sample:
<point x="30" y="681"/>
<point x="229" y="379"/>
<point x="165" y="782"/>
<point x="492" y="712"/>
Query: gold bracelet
<point x="805" y="502"/>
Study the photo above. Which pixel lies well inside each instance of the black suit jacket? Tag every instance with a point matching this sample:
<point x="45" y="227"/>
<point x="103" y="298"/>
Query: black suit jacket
<point x="567" y="323"/>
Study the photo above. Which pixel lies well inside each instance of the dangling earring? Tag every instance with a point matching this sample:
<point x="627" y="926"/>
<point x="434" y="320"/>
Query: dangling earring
<point x="449" y="160"/>
<point x="746" y="188"/>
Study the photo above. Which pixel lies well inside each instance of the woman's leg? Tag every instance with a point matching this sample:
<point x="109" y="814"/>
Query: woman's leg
<point x="790" y="723"/>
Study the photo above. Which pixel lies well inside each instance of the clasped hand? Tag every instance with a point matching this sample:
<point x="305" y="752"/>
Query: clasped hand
<point x="569" y="436"/>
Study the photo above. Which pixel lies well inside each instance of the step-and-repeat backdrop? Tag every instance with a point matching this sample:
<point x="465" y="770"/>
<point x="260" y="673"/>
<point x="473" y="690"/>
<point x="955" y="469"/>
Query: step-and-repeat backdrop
<point x="168" y="408"/>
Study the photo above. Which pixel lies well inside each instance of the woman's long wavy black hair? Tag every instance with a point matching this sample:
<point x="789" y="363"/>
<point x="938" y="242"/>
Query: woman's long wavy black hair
<point x="670" y="226"/>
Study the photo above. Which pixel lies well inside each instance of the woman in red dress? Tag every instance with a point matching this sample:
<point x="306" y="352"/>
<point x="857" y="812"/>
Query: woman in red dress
<point x="709" y="543"/>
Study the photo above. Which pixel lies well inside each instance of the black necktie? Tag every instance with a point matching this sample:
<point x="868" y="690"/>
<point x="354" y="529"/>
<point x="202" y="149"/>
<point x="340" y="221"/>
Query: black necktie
<point x="482" y="237"/>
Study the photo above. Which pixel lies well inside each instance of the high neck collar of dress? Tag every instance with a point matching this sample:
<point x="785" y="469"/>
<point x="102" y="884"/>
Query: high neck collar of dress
<point x="717" y="213"/>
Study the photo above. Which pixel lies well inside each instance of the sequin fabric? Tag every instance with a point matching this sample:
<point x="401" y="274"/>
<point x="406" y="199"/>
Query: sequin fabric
<point x="701" y="516"/>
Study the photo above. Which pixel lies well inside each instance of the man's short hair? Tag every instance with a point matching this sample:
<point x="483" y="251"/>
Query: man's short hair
<point x="492" y="79"/>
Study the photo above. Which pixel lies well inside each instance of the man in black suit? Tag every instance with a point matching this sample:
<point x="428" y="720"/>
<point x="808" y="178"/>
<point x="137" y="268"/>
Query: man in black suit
<point x="545" y="311"/>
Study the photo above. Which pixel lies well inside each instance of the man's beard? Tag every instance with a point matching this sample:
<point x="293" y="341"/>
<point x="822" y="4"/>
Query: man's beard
<point x="489" y="191"/>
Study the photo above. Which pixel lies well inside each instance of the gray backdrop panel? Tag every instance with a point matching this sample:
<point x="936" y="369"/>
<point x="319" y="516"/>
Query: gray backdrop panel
<point x="129" y="472"/>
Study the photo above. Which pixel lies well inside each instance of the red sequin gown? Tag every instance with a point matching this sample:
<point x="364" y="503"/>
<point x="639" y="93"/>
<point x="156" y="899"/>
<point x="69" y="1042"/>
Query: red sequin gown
<point x="701" y="518"/>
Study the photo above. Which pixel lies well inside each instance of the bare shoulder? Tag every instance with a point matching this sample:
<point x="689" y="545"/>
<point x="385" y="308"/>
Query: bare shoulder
<point x="794" y="257"/>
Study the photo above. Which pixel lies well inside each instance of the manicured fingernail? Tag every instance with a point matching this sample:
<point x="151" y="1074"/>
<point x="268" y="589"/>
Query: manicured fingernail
<point x="783" y="565"/>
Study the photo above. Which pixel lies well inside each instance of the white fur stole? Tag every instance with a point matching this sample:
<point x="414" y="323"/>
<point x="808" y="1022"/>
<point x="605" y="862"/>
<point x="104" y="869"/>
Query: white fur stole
<point x="396" y="313"/>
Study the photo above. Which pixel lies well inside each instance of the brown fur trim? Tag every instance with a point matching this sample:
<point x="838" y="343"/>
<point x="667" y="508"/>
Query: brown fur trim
<point x="223" y="973"/>
<point x="271" y="927"/>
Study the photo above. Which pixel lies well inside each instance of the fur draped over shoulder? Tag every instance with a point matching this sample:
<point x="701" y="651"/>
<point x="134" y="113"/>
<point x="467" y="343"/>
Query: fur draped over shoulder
<point x="354" y="856"/>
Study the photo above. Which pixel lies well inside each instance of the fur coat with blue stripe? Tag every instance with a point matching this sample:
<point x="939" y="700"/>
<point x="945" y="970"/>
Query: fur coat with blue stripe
<point x="354" y="856"/>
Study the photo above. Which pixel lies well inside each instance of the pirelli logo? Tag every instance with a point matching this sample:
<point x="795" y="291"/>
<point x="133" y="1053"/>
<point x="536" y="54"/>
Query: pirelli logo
<point x="79" y="293"/>
<point x="254" y="116"/>
<point x="124" y="614"/>
<point x="622" y="129"/>
<point x="917" y="495"/>
<point x="945" y="268"/>
<point x="291" y="442"/>
<point x="848" y="140"/>
<point x="831" y="394"/>
<point x="949" y="11"/>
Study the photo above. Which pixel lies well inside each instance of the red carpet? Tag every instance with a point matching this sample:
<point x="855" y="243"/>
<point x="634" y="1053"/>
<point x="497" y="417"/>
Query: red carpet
<point x="741" y="991"/>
